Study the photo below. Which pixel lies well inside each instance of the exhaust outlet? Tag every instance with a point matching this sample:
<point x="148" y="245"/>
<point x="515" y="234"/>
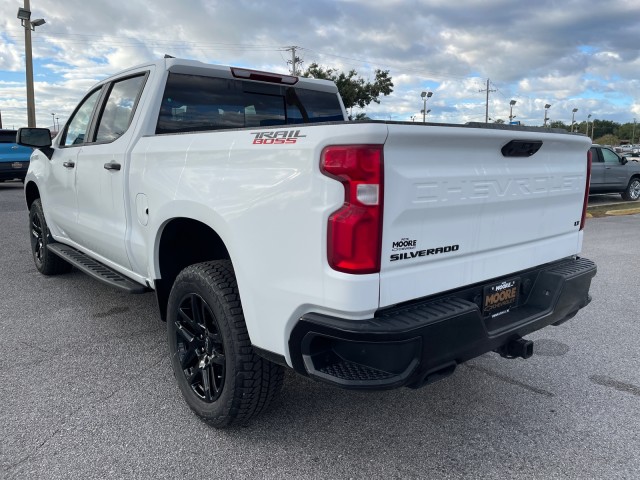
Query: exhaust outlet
<point x="517" y="348"/>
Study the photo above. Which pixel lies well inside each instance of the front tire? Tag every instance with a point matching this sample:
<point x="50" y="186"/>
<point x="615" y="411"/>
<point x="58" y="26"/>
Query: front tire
<point x="632" y="192"/>
<point x="47" y="262"/>
<point x="218" y="373"/>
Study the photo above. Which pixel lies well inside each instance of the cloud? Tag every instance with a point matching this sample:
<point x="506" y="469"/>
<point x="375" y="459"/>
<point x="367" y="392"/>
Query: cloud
<point x="571" y="53"/>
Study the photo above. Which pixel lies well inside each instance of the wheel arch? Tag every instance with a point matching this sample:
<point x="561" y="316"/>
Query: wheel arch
<point x="182" y="242"/>
<point x="31" y="193"/>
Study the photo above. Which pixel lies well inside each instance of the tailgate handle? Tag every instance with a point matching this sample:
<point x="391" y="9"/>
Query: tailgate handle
<point x="521" y="148"/>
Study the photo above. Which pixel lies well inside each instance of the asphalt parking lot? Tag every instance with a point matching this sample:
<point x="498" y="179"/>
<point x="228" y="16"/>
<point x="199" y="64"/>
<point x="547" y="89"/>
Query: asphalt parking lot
<point x="86" y="391"/>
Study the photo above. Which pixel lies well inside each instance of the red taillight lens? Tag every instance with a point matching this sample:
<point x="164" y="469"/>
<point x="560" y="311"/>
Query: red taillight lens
<point x="354" y="237"/>
<point x="586" y="192"/>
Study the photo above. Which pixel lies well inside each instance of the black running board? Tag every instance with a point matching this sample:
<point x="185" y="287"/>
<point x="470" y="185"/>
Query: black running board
<point x="96" y="269"/>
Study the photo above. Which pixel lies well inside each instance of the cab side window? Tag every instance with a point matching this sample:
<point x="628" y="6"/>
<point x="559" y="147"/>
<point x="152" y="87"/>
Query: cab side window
<point x="609" y="156"/>
<point x="119" y="108"/>
<point x="77" y="130"/>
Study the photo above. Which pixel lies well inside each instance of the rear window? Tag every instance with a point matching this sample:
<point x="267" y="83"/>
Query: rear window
<point x="8" y="136"/>
<point x="196" y="103"/>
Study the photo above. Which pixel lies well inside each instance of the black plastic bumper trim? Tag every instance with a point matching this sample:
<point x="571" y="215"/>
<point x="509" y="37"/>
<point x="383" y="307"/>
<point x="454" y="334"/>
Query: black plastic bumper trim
<point x="421" y="341"/>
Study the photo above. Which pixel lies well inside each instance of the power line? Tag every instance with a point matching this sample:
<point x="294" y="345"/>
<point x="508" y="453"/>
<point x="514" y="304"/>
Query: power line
<point x="81" y="39"/>
<point x="486" y="112"/>
<point x="422" y="73"/>
<point x="294" y="60"/>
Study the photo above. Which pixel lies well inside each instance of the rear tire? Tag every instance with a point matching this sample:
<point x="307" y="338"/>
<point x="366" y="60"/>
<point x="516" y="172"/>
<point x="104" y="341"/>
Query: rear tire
<point x="632" y="192"/>
<point x="220" y="376"/>
<point x="47" y="262"/>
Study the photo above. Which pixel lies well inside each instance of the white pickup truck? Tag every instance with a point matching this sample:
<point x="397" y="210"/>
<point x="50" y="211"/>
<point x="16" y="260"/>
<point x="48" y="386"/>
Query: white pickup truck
<point x="275" y="233"/>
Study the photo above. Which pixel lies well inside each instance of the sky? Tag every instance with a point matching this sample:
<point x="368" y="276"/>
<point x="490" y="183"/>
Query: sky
<point x="571" y="54"/>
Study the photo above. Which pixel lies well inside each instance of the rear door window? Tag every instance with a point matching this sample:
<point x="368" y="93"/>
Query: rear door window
<point x="197" y="103"/>
<point x="119" y="108"/>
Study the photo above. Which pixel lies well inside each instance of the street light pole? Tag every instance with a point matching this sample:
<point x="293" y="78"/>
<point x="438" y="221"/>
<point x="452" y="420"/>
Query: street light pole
<point x="573" y="118"/>
<point x="588" y="117"/>
<point x="31" y="104"/>
<point x="424" y="96"/>
<point x="546" y="111"/>
<point x="633" y="135"/>
<point x="24" y="14"/>
<point x="511" y="104"/>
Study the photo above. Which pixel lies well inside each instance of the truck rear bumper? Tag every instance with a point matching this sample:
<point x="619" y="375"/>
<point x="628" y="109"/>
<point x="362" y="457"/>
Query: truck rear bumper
<point x="13" y="170"/>
<point x="422" y="341"/>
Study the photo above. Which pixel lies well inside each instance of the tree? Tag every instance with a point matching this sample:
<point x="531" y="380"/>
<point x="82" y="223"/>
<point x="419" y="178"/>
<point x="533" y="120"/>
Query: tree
<point x="607" y="139"/>
<point x="354" y="90"/>
<point x="361" y="116"/>
<point x="498" y="120"/>
<point x="605" y="127"/>
<point x="559" y="124"/>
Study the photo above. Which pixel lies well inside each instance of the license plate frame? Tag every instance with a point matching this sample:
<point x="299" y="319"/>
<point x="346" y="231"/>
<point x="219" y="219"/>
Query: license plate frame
<point x="500" y="297"/>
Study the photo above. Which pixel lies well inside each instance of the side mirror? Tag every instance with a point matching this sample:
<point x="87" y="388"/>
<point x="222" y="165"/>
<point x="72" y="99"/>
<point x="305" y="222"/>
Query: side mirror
<point x="34" y="137"/>
<point x="623" y="160"/>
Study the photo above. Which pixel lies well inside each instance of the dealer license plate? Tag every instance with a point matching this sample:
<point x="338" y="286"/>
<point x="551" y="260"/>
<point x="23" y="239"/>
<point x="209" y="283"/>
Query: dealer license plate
<point x="500" y="297"/>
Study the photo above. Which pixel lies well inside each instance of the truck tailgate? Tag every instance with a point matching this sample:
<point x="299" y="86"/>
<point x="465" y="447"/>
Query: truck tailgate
<point x="458" y="212"/>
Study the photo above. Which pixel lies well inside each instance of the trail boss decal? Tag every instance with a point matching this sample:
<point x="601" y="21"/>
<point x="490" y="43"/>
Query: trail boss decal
<point x="278" y="137"/>
<point x="423" y="253"/>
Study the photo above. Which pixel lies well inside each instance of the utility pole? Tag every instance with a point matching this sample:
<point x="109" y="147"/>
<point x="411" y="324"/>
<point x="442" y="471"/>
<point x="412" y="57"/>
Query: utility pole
<point x="486" y="111"/>
<point x="24" y="14"/>
<point x="633" y="135"/>
<point x="31" y="105"/>
<point x="294" y="60"/>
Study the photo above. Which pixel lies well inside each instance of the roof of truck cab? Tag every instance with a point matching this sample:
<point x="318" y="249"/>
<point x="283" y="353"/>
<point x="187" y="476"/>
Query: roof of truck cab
<point x="194" y="67"/>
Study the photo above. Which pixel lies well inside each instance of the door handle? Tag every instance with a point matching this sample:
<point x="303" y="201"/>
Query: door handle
<point x="69" y="164"/>
<point x="112" y="166"/>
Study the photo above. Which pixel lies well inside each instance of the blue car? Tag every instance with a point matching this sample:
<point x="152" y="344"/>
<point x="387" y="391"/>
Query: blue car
<point x="14" y="158"/>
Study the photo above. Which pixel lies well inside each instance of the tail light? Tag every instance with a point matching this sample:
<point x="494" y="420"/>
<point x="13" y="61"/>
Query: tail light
<point x="354" y="239"/>
<point x="586" y="192"/>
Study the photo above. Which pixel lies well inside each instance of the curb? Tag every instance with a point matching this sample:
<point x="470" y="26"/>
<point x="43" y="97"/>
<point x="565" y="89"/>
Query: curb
<point x="626" y="211"/>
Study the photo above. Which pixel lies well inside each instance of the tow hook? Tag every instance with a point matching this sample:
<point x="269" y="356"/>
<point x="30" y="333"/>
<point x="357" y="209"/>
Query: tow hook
<point x="516" y="348"/>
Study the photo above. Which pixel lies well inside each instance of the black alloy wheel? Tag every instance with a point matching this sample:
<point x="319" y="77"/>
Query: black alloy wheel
<point x="200" y="348"/>
<point x="37" y="239"/>
<point x="46" y="262"/>
<point x="220" y="376"/>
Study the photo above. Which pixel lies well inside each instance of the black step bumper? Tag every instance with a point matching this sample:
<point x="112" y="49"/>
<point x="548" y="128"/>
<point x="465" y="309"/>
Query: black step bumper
<point x="419" y="342"/>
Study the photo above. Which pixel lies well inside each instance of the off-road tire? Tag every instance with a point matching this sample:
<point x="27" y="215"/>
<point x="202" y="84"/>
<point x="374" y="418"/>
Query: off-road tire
<point x="632" y="192"/>
<point x="47" y="262"/>
<point x="213" y="346"/>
